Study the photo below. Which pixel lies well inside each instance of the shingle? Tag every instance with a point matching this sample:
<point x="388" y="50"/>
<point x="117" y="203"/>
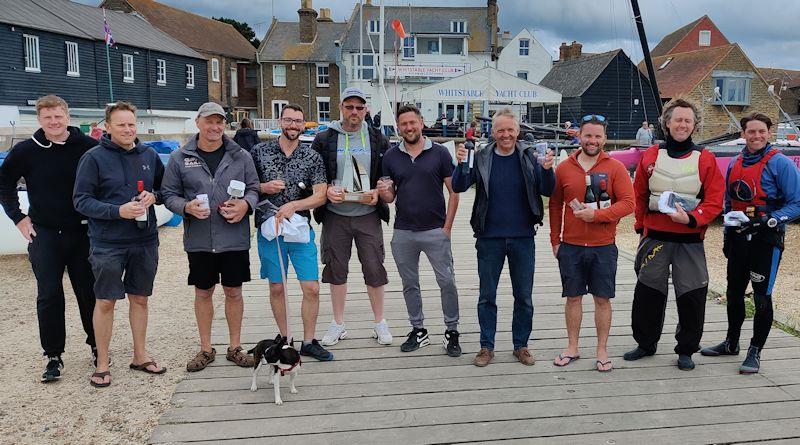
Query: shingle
<point x="282" y="43"/>
<point x="686" y="70"/>
<point x="573" y="77"/>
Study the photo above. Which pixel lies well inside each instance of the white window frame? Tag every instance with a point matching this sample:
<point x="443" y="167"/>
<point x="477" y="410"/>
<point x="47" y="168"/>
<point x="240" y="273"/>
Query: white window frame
<point x="458" y="27"/>
<point x="664" y="65"/>
<point x="161" y="72"/>
<point x="215" y="69"/>
<point x="526" y="49"/>
<point x="728" y="83"/>
<point x="281" y="104"/>
<point x="323" y="100"/>
<point x="704" y="42"/>
<point x="73" y="64"/>
<point x="32" y="58"/>
<point x="234" y="82"/>
<point x="323" y="79"/>
<point x="412" y="48"/>
<point x="276" y="81"/>
<point x="522" y="72"/>
<point x="374" y="27"/>
<point x="127" y="68"/>
<point x="189" y="76"/>
<point x="358" y="68"/>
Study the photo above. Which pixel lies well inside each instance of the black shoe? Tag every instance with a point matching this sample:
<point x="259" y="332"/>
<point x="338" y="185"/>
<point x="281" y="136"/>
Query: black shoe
<point x="94" y="357"/>
<point x="451" y="343"/>
<point x="53" y="370"/>
<point x="685" y="363"/>
<point x="752" y="362"/>
<point x="723" y="348"/>
<point x="417" y="338"/>
<point x="637" y="353"/>
<point x="314" y="349"/>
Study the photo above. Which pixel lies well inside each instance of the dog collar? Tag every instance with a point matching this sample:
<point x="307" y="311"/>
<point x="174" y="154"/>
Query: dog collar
<point x="284" y="371"/>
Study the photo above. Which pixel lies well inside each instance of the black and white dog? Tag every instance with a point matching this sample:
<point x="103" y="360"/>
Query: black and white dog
<point x="281" y="358"/>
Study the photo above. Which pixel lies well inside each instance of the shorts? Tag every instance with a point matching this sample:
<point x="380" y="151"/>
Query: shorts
<point x="588" y="269"/>
<point x="206" y="268"/>
<point x="123" y="270"/>
<point x="338" y="234"/>
<point x="303" y="257"/>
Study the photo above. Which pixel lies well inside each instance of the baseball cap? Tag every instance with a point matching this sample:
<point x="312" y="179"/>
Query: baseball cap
<point x="210" y="108"/>
<point x="353" y="92"/>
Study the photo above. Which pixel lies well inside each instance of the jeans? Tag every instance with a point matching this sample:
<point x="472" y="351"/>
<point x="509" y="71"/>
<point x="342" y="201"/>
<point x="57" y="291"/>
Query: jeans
<point x="492" y="253"/>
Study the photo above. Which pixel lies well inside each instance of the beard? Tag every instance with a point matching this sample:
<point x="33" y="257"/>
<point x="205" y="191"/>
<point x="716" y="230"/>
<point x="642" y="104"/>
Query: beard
<point x="412" y="138"/>
<point x="285" y="133"/>
<point x="591" y="151"/>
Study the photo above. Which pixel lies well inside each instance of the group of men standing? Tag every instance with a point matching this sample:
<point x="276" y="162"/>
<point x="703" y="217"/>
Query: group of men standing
<point x="91" y="212"/>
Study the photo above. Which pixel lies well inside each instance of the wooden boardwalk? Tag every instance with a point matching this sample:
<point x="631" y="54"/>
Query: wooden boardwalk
<point x="372" y="394"/>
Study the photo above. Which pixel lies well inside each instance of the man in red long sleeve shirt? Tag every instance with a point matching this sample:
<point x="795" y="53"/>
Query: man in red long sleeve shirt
<point x="587" y="255"/>
<point x="673" y="241"/>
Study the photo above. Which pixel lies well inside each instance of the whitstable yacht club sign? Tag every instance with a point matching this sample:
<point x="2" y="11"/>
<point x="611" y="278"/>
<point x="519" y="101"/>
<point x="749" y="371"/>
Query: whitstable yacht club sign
<point x="424" y="71"/>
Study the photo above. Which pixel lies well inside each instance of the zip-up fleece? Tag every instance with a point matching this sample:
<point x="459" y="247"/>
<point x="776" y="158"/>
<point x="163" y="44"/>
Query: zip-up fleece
<point x="106" y="179"/>
<point x="571" y="184"/>
<point x="188" y="175"/>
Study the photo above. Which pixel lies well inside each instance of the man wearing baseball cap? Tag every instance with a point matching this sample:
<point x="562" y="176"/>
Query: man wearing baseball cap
<point x="352" y="152"/>
<point x="212" y="183"/>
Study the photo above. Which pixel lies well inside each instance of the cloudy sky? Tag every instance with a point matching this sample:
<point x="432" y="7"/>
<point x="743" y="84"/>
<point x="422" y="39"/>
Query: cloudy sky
<point x="768" y="32"/>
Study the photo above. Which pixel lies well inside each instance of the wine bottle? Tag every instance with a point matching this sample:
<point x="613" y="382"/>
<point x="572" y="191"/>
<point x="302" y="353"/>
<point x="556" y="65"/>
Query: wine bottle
<point x="589" y="199"/>
<point x="605" y="200"/>
<point x="141" y="221"/>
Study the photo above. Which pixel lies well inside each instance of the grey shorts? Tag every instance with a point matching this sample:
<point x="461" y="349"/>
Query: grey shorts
<point x="338" y="234"/>
<point x="591" y="269"/>
<point x="123" y="270"/>
<point x="686" y="262"/>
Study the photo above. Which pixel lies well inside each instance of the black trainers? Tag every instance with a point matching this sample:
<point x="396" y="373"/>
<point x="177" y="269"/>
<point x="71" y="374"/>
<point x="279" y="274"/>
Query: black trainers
<point x="723" y="348"/>
<point x="685" y="363"/>
<point x="314" y="349"/>
<point x="451" y="343"/>
<point x="636" y="354"/>
<point x="752" y="362"/>
<point x="53" y="370"/>
<point x="417" y="338"/>
<point x="94" y="357"/>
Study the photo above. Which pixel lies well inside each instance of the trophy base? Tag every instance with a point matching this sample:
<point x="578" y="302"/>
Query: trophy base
<point x="357" y="197"/>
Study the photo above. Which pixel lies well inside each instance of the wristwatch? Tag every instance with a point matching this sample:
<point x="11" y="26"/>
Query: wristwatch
<point x="772" y="223"/>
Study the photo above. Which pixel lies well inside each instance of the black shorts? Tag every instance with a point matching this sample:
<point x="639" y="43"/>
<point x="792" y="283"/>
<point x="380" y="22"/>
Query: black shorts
<point x="588" y="270"/>
<point x="206" y="269"/>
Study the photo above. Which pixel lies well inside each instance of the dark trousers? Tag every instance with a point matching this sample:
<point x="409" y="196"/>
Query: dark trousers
<point x="50" y="253"/>
<point x="647" y="318"/>
<point x="492" y="253"/>
<point x="753" y="261"/>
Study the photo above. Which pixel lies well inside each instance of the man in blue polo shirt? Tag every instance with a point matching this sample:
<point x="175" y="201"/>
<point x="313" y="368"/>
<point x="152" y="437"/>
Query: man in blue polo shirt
<point x="416" y="171"/>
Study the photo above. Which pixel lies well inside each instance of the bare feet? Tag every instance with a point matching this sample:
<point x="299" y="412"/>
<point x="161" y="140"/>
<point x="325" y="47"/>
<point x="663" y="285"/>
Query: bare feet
<point x="566" y="357"/>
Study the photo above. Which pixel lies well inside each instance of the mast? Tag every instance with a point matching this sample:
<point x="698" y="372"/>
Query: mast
<point x="637" y="15"/>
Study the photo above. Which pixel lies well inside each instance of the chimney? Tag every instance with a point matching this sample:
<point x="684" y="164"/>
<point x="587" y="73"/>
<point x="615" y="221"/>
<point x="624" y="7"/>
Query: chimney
<point x="569" y="52"/>
<point x="308" y="21"/>
<point x="491" y="23"/>
<point x="324" y="15"/>
<point x="506" y="35"/>
<point x="367" y="2"/>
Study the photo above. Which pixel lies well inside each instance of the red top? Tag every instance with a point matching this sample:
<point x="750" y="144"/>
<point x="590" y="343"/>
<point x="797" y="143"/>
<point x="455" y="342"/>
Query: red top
<point x="571" y="184"/>
<point x="751" y="175"/>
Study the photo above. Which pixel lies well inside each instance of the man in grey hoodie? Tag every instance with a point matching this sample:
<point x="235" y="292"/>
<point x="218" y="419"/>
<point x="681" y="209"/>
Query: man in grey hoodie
<point x="216" y="226"/>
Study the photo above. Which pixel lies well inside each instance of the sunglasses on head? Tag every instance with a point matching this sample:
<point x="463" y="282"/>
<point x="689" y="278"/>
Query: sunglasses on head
<point x="596" y="117"/>
<point x="354" y="107"/>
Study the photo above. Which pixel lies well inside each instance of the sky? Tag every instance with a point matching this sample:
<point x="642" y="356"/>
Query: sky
<point x="769" y="33"/>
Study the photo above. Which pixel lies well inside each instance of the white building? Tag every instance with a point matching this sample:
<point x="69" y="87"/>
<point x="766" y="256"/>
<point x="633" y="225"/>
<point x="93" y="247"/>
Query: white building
<point x="524" y="57"/>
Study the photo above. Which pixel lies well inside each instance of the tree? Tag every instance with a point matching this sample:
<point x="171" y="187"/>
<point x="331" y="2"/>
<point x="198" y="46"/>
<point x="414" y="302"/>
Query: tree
<point x="243" y="28"/>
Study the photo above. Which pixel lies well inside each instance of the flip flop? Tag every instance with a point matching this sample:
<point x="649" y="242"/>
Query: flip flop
<point x="143" y="368"/>
<point x="101" y="375"/>
<point x="599" y="363"/>
<point x="569" y="359"/>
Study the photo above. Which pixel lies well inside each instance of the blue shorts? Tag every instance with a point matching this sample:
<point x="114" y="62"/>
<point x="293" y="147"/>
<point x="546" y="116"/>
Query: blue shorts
<point x="591" y="269"/>
<point x="303" y="257"/>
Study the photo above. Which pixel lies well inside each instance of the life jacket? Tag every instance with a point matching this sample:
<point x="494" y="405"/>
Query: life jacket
<point x="746" y="181"/>
<point x="681" y="176"/>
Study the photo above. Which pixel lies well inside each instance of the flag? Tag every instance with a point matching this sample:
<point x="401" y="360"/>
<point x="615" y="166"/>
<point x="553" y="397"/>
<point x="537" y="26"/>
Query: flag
<point x="107" y="31"/>
<point x="398" y="29"/>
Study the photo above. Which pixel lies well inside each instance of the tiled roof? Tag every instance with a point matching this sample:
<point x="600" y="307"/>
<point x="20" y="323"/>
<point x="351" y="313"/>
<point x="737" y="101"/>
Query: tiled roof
<point x="686" y="70"/>
<point x="282" y="43"/>
<point x="573" y="77"/>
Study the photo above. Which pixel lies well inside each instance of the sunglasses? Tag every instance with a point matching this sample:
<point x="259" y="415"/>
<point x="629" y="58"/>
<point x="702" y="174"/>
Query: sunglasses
<point x="354" y="107"/>
<point x="742" y="191"/>
<point x="596" y="117"/>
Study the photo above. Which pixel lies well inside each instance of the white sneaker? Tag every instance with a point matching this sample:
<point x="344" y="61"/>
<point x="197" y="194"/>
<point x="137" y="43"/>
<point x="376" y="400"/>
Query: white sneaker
<point x="381" y="332"/>
<point x="335" y="333"/>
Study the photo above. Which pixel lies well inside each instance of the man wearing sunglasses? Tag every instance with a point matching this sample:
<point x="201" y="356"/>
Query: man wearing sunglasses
<point x="764" y="185"/>
<point x="671" y="235"/>
<point x="352" y="153"/>
<point x="586" y="253"/>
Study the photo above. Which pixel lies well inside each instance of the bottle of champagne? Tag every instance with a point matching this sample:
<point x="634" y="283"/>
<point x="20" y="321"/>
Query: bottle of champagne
<point x="605" y="200"/>
<point x="141" y="221"/>
<point x="589" y="198"/>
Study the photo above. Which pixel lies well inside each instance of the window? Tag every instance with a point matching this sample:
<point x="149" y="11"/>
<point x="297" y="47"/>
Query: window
<point x="458" y="27"/>
<point x="323" y="109"/>
<point x="522" y="75"/>
<point x="251" y="77"/>
<point x="323" y="75"/>
<point x="127" y="68"/>
<point x="277" y="107"/>
<point x="733" y="90"/>
<point x="279" y="75"/>
<point x="73" y="68"/>
<point x="524" y="47"/>
<point x="453" y="46"/>
<point x="32" y="53"/>
<point x="234" y="83"/>
<point x="705" y="38"/>
<point x="666" y="62"/>
<point x="374" y="26"/>
<point x="428" y="45"/>
<point x="190" y="76"/>
<point x="364" y="70"/>
<point x="215" y="70"/>
<point x="161" y="71"/>
<point x="408" y="48"/>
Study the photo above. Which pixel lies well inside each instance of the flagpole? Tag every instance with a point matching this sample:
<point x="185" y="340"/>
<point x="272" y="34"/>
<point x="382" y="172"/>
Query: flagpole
<point x="108" y="59"/>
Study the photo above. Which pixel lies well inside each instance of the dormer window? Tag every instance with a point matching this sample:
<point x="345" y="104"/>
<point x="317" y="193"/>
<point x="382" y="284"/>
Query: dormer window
<point x="458" y="27"/>
<point x="374" y="27"/>
<point x="705" y="38"/>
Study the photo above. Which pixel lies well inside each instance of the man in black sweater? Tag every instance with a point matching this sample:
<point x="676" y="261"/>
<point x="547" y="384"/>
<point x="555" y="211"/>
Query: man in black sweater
<point x="56" y="232"/>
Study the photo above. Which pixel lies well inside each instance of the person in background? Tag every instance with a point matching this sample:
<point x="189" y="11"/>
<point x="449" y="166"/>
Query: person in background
<point x="245" y="136"/>
<point x="96" y="132"/>
<point x="471" y="132"/>
<point x="644" y="136"/>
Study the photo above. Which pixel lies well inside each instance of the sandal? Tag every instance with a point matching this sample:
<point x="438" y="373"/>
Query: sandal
<point x="241" y="358"/>
<point x="101" y="375"/>
<point x="600" y="364"/>
<point x="143" y="368"/>
<point x="568" y="358"/>
<point x="201" y="360"/>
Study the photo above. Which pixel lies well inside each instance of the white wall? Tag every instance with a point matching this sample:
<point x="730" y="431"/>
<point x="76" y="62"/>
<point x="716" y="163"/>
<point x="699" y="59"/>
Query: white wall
<point x="537" y="63"/>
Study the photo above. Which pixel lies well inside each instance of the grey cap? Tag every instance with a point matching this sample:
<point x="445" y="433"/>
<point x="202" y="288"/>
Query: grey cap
<point x="353" y="92"/>
<point x="210" y="108"/>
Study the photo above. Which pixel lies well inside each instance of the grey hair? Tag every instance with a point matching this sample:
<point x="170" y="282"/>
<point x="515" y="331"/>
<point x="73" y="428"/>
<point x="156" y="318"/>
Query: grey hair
<point x="505" y="112"/>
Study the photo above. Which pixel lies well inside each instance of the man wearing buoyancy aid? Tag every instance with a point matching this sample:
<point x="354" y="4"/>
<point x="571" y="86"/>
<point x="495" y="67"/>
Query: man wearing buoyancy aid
<point x="678" y="191"/>
<point x="765" y="185"/>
